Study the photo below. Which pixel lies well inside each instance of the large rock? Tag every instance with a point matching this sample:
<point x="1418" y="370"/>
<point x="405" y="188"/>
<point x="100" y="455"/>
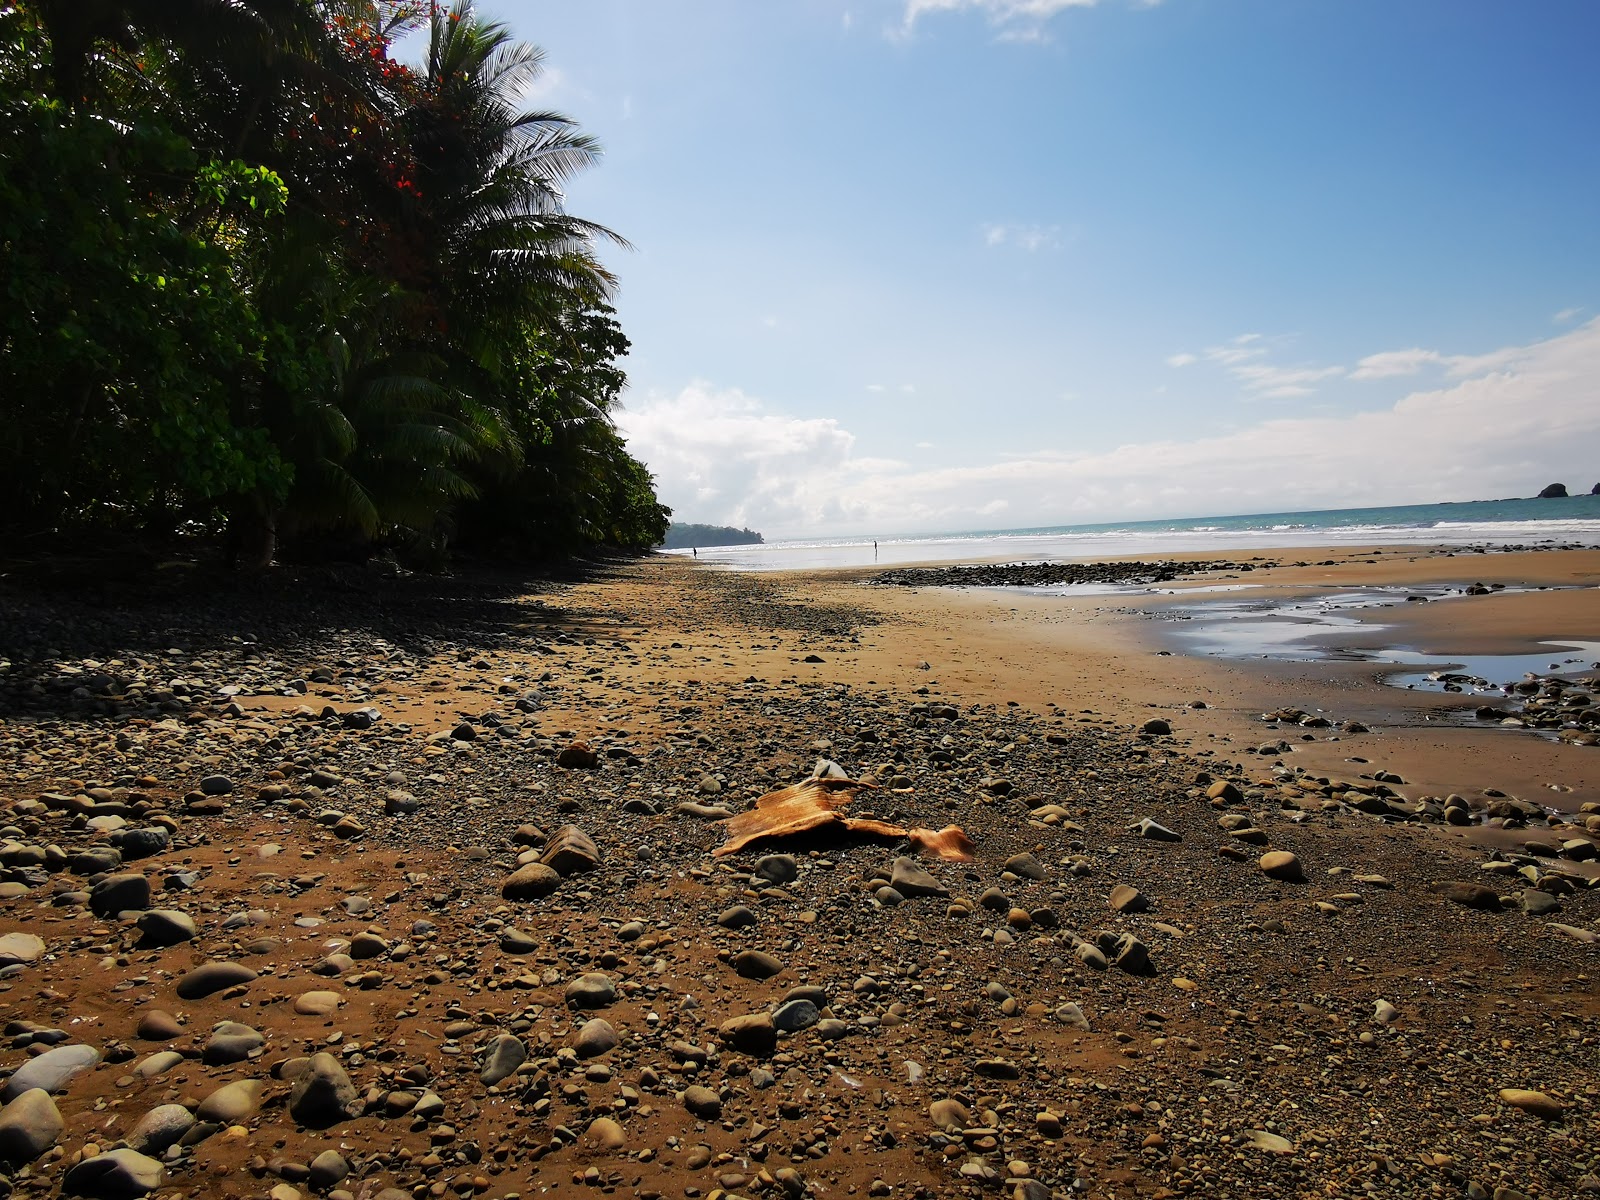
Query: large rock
<point x="231" y="1103"/>
<point x="120" y="1174"/>
<point x="29" y="1126"/>
<point x="592" y="990"/>
<point x="231" y="1042"/>
<point x="756" y="964"/>
<point x="1025" y="866"/>
<point x="1127" y="898"/>
<point x="1282" y="866"/>
<point x="141" y="843"/>
<point x="166" y="927"/>
<point x="754" y="1034"/>
<point x="777" y="869"/>
<point x="18" y="948"/>
<point x="1537" y="1103"/>
<point x="1154" y="831"/>
<point x="503" y="1056"/>
<point x="50" y="1071"/>
<point x="910" y="879"/>
<point x="1470" y="895"/>
<point x="118" y="894"/>
<point x="702" y="1102"/>
<point x="317" y="1004"/>
<point x="794" y="1015"/>
<point x="595" y="1038"/>
<point x="571" y="851"/>
<point x="213" y="977"/>
<point x="532" y="882"/>
<point x="160" y="1128"/>
<point x="323" y="1094"/>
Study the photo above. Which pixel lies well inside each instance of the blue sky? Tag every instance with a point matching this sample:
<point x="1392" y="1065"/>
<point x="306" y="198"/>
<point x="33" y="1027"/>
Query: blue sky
<point x="910" y="265"/>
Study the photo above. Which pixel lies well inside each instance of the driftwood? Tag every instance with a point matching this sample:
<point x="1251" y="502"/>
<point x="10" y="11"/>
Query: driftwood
<point x="817" y="804"/>
<point x="811" y="804"/>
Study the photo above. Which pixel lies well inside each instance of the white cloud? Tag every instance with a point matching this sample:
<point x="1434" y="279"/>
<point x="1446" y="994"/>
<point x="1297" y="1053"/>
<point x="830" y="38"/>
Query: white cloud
<point x="1031" y="238"/>
<point x="1567" y="315"/>
<point x="1391" y="363"/>
<point x="1282" y="382"/>
<point x="1396" y="362"/>
<point x="1019" y="20"/>
<point x="1242" y="357"/>
<point x="1521" y="417"/>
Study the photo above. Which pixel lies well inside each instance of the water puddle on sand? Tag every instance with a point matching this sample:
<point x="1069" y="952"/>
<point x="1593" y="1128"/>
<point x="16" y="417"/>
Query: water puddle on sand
<point x="1310" y="630"/>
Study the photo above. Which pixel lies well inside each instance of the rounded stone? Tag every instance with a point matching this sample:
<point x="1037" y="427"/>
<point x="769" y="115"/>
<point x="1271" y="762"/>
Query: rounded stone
<point x="595" y="1038"/>
<point x="317" y="1004"/>
<point x="166" y="927"/>
<point x="231" y="1103"/>
<point x="119" y="893"/>
<point x="531" y="882"/>
<point x="591" y="990"/>
<point x="50" y="1071"/>
<point x="323" y="1094"/>
<point x="212" y="977"/>
<point x="120" y="1174"/>
<point x="29" y="1126"/>
<point x="605" y="1134"/>
<point x="702" y="1102"/>
<point x="1282" y="866"/>
<point x="160" y="1128"/>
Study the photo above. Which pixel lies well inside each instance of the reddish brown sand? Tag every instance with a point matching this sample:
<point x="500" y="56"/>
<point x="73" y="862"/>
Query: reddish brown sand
<point x="1246" y="1060"/>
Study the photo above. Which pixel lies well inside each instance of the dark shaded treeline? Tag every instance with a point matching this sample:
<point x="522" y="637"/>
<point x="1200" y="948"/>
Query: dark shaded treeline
<point x="263" y="281"/>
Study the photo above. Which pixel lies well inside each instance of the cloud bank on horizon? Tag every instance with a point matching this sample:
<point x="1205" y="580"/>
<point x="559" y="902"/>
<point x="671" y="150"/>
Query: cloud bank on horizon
<point x="1499" y="424"/>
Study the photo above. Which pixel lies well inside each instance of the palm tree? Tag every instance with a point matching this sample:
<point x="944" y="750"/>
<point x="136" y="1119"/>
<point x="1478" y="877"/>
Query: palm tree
<point x="500" y="244"/>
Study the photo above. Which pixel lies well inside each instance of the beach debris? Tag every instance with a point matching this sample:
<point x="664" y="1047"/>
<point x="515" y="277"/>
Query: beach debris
<point x="811" y="804"/>
<point x="950" y="844"/>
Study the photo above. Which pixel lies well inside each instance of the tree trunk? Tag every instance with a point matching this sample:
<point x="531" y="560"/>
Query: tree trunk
<point x="252" y="535"/>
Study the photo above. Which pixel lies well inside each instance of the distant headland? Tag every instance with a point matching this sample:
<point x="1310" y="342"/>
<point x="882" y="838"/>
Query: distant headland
<point x="682" y="534"/>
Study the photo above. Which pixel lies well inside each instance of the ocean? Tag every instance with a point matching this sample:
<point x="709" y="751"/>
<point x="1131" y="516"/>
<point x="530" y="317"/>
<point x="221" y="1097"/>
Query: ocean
<point x="1574" y="520"/>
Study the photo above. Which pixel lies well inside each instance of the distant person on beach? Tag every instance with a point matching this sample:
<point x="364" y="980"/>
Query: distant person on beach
<point x="874" y="549"/>
<point x="695" y="550"/>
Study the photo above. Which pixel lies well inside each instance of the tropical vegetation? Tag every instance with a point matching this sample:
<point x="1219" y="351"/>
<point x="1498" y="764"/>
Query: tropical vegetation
<point x="264" y="279"/>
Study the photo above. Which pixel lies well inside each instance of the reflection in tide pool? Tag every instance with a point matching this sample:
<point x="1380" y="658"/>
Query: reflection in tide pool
<point x="1312" y="630"/>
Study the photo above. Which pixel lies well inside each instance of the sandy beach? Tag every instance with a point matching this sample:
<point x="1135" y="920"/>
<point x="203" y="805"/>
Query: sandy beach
<point x="401" y="888"/>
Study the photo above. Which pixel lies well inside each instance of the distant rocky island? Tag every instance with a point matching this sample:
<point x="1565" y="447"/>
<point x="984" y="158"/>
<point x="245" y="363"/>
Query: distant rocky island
<point x="683" y="534"/>
<point x="1558" y="491"/>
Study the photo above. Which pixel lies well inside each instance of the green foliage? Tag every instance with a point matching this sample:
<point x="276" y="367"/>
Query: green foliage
<point x="255" y="269"/>
<point x="125" y="338"/>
